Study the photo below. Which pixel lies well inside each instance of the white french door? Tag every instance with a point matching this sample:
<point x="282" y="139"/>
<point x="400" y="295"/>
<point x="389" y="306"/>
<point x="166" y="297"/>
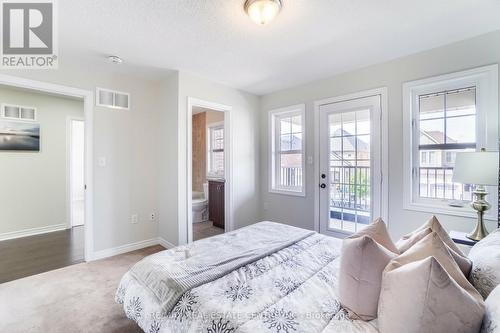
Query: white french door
<point x="350" y="164"/>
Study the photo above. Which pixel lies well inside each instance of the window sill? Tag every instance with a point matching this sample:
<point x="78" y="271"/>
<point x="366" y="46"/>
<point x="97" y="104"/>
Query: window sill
<point x="448" y="210"/>
<point x="290" y="193"/>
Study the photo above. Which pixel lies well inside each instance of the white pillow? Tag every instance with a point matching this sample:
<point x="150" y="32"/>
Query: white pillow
<point x="485" y="256"/>
<point x="491" y="321"/>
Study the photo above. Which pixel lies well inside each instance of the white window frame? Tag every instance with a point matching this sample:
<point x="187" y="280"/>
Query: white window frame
<point x="485" y="79"/>
<point x="294" y="110"/>
<point x="210" y="128"/>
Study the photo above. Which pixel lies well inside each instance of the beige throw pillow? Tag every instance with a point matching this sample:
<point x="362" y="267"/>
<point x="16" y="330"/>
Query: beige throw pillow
<point x="423" y="290"/>
<point x="433" y="223"/>
<point x="378" y="232"/>
<point x="364" y="256"/>
<point x="404" y="244"/>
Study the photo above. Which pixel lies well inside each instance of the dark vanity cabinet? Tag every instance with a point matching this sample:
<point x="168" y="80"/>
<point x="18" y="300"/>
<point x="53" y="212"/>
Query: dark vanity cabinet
<point x="216" y="202"/>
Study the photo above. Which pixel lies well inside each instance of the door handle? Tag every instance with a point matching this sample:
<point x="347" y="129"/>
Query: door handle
<point x="323" y="185"/>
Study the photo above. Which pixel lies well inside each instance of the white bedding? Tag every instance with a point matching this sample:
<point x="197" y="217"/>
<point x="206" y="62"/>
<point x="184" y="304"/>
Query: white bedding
<point x="292" y="290"/>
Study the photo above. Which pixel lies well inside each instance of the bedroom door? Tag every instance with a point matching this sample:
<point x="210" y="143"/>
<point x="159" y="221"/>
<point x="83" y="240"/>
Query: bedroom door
<point x="350" y="164"/>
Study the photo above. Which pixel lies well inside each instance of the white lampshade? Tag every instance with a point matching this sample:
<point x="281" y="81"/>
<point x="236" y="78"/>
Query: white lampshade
<point x="476" y="168"/>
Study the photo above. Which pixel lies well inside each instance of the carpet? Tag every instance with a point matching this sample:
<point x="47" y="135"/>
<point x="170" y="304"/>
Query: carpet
<point x="78" y="298"/>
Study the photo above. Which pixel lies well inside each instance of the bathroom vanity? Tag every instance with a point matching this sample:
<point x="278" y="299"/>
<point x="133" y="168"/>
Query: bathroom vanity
<point x="216" y="202"/>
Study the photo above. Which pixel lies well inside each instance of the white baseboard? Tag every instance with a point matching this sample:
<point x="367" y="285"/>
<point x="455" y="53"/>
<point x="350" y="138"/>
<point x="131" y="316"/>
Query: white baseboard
<point x="166" y="244"/>
<point x="131" y="247"/>
<point x="33" y="231"/>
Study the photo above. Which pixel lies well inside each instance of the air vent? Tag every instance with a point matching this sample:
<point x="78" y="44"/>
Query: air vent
<point x="18" y="112"/>
<point x="112" y="99"/>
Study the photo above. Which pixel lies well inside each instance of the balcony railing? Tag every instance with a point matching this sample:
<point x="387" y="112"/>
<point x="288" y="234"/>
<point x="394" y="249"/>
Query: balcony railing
<point x="291" y="177"/>
<point x="436" y="183"/>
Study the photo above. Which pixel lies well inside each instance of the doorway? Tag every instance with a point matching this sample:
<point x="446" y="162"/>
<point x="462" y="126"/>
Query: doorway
<point x="86" y="231"/>
<point x="351" y="163"/>
<point x="209" y="170"/>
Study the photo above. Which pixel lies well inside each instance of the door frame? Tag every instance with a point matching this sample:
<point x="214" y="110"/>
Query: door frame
<point x="69" y="173"/>
<point x="384" y="151"/>
<point x="187" y="224"/>
<point x="88" y="110"/>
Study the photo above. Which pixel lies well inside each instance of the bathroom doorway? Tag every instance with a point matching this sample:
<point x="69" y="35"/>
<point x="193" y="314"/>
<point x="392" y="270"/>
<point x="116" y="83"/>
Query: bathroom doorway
<point x="208" y="176"/>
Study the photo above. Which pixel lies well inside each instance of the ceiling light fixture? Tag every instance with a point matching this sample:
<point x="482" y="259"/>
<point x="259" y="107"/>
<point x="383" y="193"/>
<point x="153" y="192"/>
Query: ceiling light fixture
<point x="262" y="11"/>
<point x="115" y="59"/>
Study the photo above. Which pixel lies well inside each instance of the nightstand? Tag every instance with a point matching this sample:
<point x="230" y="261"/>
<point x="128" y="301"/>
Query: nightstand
<point x="463" y="243"/>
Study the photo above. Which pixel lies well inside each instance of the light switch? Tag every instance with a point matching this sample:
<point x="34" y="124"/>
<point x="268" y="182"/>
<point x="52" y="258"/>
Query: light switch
<point x="101" y="161"/>
<point x="310" y="160"/>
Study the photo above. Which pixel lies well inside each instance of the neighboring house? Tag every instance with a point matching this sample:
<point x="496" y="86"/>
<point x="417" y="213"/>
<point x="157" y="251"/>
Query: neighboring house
<point x="436" y="158"/>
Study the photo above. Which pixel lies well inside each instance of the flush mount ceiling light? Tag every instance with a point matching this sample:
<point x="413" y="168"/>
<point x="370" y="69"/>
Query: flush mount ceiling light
<point x="262" y="11"/>
<point x="115" y="59"/>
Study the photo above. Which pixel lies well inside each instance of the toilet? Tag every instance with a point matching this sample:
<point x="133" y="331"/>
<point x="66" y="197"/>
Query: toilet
<point x="200" y="205"/>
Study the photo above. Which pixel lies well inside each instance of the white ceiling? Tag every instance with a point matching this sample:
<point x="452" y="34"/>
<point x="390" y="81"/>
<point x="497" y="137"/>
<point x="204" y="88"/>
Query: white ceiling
<point x="309" y="40"/>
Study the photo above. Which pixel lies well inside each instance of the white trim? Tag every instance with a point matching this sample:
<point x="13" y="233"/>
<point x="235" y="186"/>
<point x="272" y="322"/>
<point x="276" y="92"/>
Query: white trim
<point x="186" y="224"/>
<point x="88" y="101"/>
<point x="125" y="248"/>
<point x="384" y="142"/>
<point x="485" y="79"/>
<point x="165" y="243"/>
<point x="33" y="231"/>
<point x="292" y="109"/>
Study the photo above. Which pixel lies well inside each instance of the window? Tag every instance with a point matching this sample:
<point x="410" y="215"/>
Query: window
<point x="216" y="151"/>
<point x="287" y="150"/>
<point x="447" y="115"/>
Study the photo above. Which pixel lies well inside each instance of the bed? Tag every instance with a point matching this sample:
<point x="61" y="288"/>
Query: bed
<point x="267" y="277"/>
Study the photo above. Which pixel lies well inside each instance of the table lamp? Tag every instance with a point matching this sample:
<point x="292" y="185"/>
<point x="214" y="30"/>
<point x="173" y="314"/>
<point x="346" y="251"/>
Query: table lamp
<point x="480" y="169"/>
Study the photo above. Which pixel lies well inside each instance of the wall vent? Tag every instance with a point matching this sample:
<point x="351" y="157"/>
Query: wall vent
<point x="18" y="112"/>
<point x="112" y="99"/>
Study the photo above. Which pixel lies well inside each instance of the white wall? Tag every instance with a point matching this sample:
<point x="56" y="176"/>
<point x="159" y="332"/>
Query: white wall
<point x="168" y="151"/>
<point x="129" y="141"/>
<point x="479" y="51"/>
<point x="33" y="193"/>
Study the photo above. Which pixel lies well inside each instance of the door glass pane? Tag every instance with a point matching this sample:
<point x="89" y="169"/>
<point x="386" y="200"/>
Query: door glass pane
<point x="350" y="170"/>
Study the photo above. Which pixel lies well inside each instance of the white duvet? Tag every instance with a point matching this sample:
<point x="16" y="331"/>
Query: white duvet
<point x="292" y="290"/>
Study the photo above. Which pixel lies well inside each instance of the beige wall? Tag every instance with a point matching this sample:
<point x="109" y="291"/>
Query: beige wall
<point x="214" y="117"/>
<point x="199" y="148"/>
<point x="33" y="191"/>
<point x="299" y="211"/>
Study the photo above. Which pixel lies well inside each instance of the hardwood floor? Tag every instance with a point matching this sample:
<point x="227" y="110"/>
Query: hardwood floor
<point x="32" y="255"/>
<point x="205" y="229"/>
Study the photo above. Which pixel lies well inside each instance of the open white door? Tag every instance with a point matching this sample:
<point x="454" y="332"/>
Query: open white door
<point x="350" y="165"/>
<point x="76" y="172"/>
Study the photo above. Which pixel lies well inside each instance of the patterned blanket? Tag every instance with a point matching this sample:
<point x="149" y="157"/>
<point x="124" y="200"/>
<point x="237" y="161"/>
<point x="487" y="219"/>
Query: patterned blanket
<point x="293" y="289"/>
<point x="169" y="274"/>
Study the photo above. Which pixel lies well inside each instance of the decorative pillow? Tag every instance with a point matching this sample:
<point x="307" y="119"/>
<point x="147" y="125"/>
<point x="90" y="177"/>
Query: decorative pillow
<point x="433" y="223"/>
<point x="378" y="232"/>
<point x="485" y="256"/>
<point x="363" y="259"/>
<point x="404" y="244"/>
<point x="491" y="321"/>
<point x="423" y="290"/>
